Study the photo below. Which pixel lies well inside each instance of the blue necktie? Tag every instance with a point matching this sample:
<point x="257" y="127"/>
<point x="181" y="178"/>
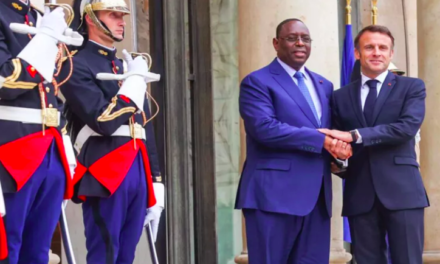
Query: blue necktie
<point x="370" y="102"/>
<point x="305" y="91"/>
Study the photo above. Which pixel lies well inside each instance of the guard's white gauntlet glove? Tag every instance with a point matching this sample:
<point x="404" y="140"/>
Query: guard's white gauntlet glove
<point x="154" y="212"/>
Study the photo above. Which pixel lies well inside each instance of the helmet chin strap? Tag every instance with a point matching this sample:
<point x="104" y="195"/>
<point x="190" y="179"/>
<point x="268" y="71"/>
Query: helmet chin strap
<point x="110" y="34"/>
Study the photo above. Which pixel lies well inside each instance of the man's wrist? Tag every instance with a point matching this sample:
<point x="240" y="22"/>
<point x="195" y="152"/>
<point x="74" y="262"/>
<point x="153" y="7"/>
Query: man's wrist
<point x="354" y="135"/>
<point x="357" y="138"/>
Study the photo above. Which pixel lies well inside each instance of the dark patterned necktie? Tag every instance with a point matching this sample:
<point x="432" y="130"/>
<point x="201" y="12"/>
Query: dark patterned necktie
<point x="370" y="101"/>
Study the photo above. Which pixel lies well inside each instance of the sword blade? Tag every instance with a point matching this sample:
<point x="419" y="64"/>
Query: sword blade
<point x="151" y="244"/>
<point x="66" y="237"/>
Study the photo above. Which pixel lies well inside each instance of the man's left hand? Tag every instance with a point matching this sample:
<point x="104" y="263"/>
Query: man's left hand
<point x="341" y="135"/>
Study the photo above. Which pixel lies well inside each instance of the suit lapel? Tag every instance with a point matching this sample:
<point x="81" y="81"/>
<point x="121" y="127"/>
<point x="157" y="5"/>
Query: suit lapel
<point x="385" y="91"/>
<point x="355" y="94"/>
<point x="286" y="82"/>
<point x="319" y="86"/>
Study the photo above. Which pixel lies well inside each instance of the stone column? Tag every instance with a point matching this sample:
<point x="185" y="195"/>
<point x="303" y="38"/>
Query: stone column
<point x="429" y="54"/>
<point x="338" y="255"/>
<point x="257" y="24"/>
<point x="242" y="258"/>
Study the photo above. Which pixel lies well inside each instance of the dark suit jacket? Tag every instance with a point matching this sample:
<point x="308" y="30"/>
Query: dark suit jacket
<point x="286" y="165"/>
<point x="385" y="163"/>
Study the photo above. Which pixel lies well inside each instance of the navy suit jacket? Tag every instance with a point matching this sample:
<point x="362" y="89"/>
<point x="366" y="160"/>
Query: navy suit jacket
<point x="286" y="164"/>
<point x="385" y="163"/>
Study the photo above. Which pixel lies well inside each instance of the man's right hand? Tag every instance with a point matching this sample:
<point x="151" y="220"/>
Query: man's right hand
<point x="137" y="65"/>
<point x="338" y="148"/>
<point x="53" y="23"/>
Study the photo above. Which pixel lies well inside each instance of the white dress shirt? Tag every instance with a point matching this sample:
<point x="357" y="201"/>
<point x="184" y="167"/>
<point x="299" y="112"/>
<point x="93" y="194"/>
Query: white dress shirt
<point x="309" y="83"/>
<point x="364" y="93"/>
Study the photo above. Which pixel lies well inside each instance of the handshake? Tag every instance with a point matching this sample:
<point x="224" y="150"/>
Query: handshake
<point x="337" y="143"/>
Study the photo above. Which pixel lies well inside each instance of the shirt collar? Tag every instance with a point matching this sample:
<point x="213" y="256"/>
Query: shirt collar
<point x="291" y="71"/>
<point x="380" y="78"/>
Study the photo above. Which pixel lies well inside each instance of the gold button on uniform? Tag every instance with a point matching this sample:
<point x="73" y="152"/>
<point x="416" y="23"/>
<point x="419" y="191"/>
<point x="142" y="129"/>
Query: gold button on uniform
<point x="50" y="105"/>
<point x="31" y="24"/>
<point x="47" y="89"/>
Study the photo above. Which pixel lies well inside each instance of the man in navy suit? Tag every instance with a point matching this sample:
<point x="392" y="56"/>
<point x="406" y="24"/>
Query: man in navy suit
<point x="285" y="189"/>
<point x="384" y="192"/>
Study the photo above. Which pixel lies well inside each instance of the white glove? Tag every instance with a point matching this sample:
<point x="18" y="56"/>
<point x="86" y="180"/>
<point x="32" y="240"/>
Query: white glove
<point x="53" y="23"/>
<point x="154" y="212"/>
<point x="129" y="71"/>
<point x="45" y="42"/>
<point x="70" y="154"/>
<point x="134" y="87"/>
<point x="418" y="137"/>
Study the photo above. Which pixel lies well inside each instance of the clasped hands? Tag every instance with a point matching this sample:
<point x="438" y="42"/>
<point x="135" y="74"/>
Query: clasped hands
<point x="337" y="143"/>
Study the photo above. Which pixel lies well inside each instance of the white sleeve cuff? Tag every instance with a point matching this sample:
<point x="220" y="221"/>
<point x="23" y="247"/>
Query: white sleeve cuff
<point x="2" y="80"/>
<point x="159" y="193"/>
<point x="343" y="162"/>
<point x="359" y="140"/>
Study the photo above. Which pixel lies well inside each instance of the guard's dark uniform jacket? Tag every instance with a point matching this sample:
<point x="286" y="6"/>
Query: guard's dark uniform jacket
<point x="104" y="160"/>
<point x="29" y="151"/>
<point x="24" y="87"/>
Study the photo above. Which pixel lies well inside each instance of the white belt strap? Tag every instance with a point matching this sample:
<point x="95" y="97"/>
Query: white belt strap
<point x="21" y="114"/>
<point x="86" y="132"/>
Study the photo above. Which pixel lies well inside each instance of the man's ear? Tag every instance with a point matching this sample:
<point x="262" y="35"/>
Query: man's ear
<point x="88" y="19"/>
<point x="357" y="54"/>
<point x="275" y="44"/>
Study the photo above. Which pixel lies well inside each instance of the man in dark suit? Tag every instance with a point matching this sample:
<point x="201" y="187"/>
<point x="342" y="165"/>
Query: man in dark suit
<point x="285" y="188"/>
<point x="384" y="192"/>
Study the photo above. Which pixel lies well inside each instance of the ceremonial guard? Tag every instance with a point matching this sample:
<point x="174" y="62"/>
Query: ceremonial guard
<point x="117" y="180"/>
<point x="35" y="172"/>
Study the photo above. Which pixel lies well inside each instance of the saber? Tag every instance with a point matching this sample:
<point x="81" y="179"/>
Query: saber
<point x="149" y="76"/>
<point x="151" y="244"/>
<point x="66" y="237"/>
